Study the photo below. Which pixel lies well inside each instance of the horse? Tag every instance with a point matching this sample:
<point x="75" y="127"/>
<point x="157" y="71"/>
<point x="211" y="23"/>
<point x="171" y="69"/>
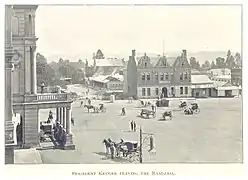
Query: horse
<point x="107" y="145"/>
<point x="90" y="107"/>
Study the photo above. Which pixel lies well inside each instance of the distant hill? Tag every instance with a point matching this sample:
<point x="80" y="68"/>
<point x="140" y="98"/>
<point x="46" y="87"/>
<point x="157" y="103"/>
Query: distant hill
<point x="200" y="56"/>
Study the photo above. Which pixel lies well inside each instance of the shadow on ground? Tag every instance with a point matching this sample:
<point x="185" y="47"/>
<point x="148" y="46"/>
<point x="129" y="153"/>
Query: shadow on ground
<point x="116" y="159"/>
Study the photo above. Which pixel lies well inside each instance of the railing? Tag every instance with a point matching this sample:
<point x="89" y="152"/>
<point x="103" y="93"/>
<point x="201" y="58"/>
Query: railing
<point x="53" y="97"/>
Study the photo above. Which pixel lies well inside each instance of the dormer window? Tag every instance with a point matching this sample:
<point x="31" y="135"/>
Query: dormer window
<point x="143" y="77"/>
<point x="162" y="77"/>
<point x="181" y="76"/>
<point x="148" y="77"/>
<point x="186" y="76"/>
<point x="166" y="76"/>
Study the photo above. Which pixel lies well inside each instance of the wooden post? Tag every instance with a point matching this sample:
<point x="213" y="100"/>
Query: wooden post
<point x="141" y="154"/>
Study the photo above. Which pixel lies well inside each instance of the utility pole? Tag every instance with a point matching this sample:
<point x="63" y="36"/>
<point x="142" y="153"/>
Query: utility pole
<point x="141" y="155"/>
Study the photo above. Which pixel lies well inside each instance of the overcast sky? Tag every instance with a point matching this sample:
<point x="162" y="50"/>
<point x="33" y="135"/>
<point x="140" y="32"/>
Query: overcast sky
<point x="77" y="31"/>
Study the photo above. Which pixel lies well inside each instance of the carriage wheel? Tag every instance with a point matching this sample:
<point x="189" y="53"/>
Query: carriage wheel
<point x="196" y="111"/>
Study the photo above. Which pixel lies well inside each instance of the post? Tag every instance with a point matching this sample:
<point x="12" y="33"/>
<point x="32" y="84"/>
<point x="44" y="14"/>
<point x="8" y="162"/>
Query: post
<point x="64" y="117"/>
<point x="60" y="115"/>
<point x="68" y="120"/>
<point x="141" y="155"/>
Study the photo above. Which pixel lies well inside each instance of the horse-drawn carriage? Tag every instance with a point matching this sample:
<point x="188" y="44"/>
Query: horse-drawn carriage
<point x="95" y="109"/>
<point x="124" y="149"/>
<point x="189" y="108"/>
<point x="147" y="113"/>
<point x="167" y="114"/>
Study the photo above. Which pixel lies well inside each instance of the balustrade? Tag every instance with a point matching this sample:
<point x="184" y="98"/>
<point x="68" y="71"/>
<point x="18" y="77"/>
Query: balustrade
<point x="53" y="97"/>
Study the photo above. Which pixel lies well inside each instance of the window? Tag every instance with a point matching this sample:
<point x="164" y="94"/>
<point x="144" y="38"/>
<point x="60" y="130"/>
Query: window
<point x="143" y="77"/>
<point x="148" y="77"/>
<point x="143" y="92"/>
<point x="182" y="64"/>
<point x="162" y="77"/>
<point x="15" y="25"/>
<point x="156" y="91"/>
<point x="148" y="91"/>
<point x="181" y="76"/>
<point x="145" y="64"/>
<point x="156" y="76"/>
<point x="166" y="76"/>
<point x="181" y="90"/>
<point x="186" y="90"/>
<point x="186" y="76"/>
<point x="30" y="25"/>
<point x="172" y="90"/>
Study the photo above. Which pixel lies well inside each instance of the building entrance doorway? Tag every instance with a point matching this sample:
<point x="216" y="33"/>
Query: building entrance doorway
<point x="164" y="92"/>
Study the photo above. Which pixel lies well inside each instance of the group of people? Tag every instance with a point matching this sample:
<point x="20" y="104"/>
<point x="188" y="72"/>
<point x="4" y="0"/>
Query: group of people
<point x="82" y="102"/>
<point x="133" y="126"/>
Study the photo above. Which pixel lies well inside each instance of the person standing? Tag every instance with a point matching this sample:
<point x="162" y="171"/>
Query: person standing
<point x="82" y="102"/>
<point x="42" y="87"/>
<point x="134" y="126"/>
<point x="131" y="123"/>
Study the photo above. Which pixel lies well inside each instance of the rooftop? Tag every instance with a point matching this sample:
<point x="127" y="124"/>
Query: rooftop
<point x="200" y="79"/>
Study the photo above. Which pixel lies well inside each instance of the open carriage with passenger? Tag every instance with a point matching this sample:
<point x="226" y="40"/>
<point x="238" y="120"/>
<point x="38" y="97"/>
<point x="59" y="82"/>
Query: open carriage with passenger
<point x="128" y="150"/>
<point x="167" y="114"/>
<point x="147" y="113"/>
<point x="193" y="108"/>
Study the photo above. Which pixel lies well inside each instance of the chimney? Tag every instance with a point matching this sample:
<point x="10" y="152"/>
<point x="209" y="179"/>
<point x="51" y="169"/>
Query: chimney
<point x="133" y="53"/>
<point x="184" y="53"/>
<point x="130" y="58"/>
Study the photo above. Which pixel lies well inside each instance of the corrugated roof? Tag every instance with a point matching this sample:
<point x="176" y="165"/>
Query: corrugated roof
<point x="200" y="79"/>
<point x="110" y="62"/>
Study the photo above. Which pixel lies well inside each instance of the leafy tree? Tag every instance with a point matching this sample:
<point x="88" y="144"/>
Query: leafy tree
<point x="213" y="65"/>
<point x="192" y="62"/>
<point x="220" y="62"/>
<point x="206" y="65"/>
<point x="230" y="62"/>
<point x="238" y="61"/>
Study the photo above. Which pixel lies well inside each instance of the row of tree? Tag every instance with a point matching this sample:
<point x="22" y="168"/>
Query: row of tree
<point x="229" y="62"/>
<point x="53" y="73"/>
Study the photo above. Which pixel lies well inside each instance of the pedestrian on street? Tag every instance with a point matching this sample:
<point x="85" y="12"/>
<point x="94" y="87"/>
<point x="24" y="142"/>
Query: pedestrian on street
<point x="123" y="111"/>
<point x="131" y="123"/>
<point x="134" y="126"/>
<point x="82" y="102"/>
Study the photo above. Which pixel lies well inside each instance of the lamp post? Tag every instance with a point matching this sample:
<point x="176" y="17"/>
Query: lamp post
<point x="149" y="135"/>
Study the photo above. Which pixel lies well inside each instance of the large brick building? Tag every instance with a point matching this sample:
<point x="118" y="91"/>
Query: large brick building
<point x="158" y="76"/>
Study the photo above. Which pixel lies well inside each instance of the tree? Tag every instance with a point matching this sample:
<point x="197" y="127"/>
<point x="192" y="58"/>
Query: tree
<point x="213" y="65"/>
<point x="206" y="65"/>
<point x="220" y="62"/>
<point x="230" y="63"/>
<point x="192" y="62"/>
<point x="44" y="72"/>
<point x="238" y="61"/>
<point x="198" y="66"/>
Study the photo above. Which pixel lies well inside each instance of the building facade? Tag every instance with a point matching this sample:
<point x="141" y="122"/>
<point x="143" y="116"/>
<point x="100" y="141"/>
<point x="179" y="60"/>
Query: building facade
<point x="157" y="77"/>
<point x="236" y="77"/>
<point x="20" y="83"/>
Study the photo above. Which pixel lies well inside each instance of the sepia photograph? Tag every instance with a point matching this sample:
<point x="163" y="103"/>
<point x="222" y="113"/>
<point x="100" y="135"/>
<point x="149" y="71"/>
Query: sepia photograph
<point x="123" y="84"/>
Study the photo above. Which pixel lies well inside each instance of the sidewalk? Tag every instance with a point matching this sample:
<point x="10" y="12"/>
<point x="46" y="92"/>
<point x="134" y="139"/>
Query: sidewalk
<point x="27" y="156"/>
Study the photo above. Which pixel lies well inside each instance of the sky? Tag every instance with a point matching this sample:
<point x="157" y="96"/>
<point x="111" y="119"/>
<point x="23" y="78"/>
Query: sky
<point x="75" y="32"/>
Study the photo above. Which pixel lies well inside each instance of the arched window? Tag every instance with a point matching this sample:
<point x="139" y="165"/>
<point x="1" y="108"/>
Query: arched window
<point x="15" y="25"/>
